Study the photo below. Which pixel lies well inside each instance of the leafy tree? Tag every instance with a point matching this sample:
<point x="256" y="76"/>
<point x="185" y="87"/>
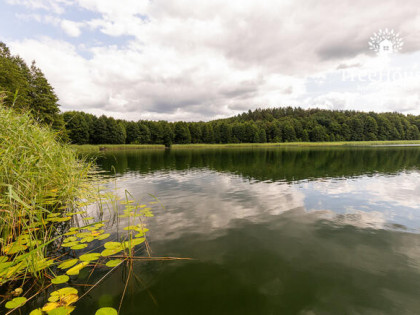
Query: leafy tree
<point x="182" y="133"/>
<point x="133" y="132"/>
<point x="77" y="127"/>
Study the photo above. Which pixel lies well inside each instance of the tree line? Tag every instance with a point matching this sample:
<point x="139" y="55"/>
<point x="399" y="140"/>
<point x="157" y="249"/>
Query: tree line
<point x="26" y="89"/>
<point x="259" y="126"/>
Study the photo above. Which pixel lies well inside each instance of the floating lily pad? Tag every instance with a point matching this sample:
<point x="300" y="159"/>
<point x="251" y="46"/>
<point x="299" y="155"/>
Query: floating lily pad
<point x="70" y="244"/>
<point x="87" y="239"/>
<point x="111" y="245"/>
<point x="106" y="311"/>
<point x="113" y="263"/>
<point x="103" y="236"/>
<point x="60" y="219"/>
<point x="64" y="291"/>
<point x="111" y="251"/>
<point x="68" y="263"/>
<point x="76" y="269"/>
<point x="70" y="239"/>
<point x="131" y="243"/>
<point x="80" y="246"/>
<point x="70" y="233"/>
<point x="84" y="234"/>
<point x="60" y="279"/>
<point x="90" y="257"/>
<point x="16" y="302"/>
<point x="62" y="310"/>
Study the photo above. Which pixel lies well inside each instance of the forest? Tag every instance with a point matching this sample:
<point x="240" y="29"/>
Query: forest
<point x="27" y="89"/>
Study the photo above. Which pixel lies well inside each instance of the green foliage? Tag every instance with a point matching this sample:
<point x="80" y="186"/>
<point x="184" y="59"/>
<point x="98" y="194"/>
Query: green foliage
<point x="16" y="302"/>
<point x="106" y="311"/>
<point x="34" y="93"/>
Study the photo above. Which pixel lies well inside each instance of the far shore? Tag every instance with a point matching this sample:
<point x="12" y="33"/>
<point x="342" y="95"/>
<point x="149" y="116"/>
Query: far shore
<point x="116" y="147"/>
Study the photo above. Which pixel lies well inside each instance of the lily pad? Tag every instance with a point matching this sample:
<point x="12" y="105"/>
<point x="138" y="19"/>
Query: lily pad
<point x="111" y="251"/>
<point x="65" y="291"/>
<point x="16" y="302"/>
<point x="70" y="244"/>
<point x="80" y="246"/>
<point x="113" y="263"/>
<point x="76" y="269"/>
<point x="90" y="257"/>
<point x="106" y="311"/>
<point x="68" y="263"/>
<point x="131" y="243"/>
<point x="87" y="239"/>
<point x="70" y="239"/>
<point x="60" y="279"/>
<point x="112" y="245"/>
<point x="103" y="236"/>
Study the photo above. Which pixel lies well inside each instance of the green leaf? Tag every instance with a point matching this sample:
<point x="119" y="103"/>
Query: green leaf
<point x="16" y="302"/>
<point x="131" y="243"/>
<point x="90" y="257"/>
<point x="80" y="246"/>
<point x="53" y="298"/>
<point x="76" y="269"/>
<point x="106" y="311"/>
<point x="114" y="263"/>
<point x="59" y="311"/>
<point x="70" y="239"/>
<point x="103" y="236"/>
<point x="65" y="291"/>
<point x="60" y="279"/>
<point x="70" y="233"/>
<point x="13" y="248"/>
<point x="87" y="239"/>
<point x="68" y="263"/>
<point x="59" y="219"/>
<point x="83" y="234"/>
<point x="70" y="244"/>
<point x="111" y="245"/>
<point x="36" y="312"/>
<point x="111" y="251"/>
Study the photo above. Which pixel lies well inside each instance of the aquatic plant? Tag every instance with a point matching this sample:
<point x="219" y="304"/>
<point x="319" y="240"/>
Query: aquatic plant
<point x="54" y="215"/>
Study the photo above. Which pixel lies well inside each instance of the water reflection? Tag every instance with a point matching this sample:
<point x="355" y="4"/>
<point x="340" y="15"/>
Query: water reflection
<point x="274" y="164"/>
<point x="274" y="231"/>
<point x="292" y="264"/>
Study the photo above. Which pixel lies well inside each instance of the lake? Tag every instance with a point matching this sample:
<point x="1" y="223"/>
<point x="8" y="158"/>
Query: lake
<point x="287" y="230"/>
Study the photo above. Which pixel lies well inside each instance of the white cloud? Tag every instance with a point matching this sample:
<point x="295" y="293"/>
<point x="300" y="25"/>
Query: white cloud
<point x="71" y="28"/>
<point x="193" y="60"/>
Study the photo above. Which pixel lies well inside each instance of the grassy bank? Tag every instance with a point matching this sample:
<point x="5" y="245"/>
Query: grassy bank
<point x="40" y="180"/>
<point x="47" y="199"/>
<point x="110" y="147"/>
<point x="107" y="147"/>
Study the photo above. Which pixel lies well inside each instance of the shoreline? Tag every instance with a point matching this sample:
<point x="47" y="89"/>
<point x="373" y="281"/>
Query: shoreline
<point x="120" y="147"/>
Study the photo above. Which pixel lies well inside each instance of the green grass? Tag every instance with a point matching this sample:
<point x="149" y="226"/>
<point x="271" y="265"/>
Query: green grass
<point x="45" y="191"/>
<point x="106" y="147"/>
<point x="40" y="178"/>
<point x="87" y="148"/>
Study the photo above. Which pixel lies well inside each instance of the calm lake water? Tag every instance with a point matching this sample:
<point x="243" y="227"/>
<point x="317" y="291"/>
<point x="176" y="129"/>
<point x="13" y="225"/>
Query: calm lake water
<point x="272" y="231"/>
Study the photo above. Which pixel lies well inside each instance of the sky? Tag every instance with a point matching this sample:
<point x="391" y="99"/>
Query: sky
<point x="201" y="60"/>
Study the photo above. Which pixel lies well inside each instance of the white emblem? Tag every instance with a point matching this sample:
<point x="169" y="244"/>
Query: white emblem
<point x="386" y="42"/>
